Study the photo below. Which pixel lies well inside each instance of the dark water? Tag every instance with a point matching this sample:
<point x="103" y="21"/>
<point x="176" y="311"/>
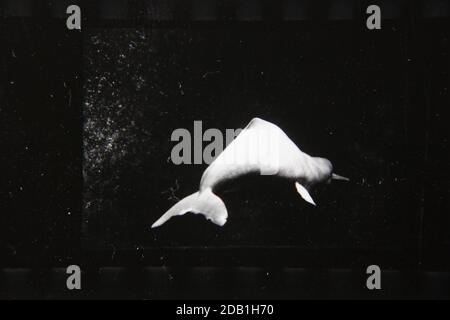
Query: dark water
<point x="375" y="104"/>
<point x="358" y="99"/>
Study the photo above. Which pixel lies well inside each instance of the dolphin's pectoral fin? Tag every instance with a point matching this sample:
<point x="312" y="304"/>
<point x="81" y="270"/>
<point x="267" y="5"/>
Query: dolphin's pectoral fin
<point x="304" y="193"/>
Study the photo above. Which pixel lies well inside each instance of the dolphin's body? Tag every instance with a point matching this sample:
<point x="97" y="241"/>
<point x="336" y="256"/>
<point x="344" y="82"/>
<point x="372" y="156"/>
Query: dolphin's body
<point x="241" y="157"/>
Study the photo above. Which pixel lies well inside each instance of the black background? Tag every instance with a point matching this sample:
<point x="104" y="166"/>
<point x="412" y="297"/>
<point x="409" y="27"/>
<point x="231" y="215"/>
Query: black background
<point x="373" y="102"/>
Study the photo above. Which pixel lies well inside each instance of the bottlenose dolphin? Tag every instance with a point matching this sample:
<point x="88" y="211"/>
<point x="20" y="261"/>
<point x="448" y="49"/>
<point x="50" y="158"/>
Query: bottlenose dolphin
<point x="254" y="151"/>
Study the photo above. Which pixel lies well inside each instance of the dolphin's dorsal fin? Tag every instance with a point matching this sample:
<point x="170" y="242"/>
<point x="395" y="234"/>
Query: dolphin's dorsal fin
<point x="304" y="193"/>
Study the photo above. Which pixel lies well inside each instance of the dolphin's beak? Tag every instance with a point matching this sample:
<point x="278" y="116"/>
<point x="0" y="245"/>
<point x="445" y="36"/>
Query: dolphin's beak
<point x="338" y="177"/>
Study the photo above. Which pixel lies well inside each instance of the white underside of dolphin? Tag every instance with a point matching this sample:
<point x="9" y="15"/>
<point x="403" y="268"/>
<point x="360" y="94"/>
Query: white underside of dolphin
<point x="261" y="147"/>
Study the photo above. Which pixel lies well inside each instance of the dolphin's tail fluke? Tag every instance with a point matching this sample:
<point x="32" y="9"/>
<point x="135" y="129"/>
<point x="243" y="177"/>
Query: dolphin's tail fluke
<point x="204" y="202"/>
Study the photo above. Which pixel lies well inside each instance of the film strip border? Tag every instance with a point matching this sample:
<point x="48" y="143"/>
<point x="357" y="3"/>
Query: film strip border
<point x="224" y="10"/>
<point x="220" y="283"/>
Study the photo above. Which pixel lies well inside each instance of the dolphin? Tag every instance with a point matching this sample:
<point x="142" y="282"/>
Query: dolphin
<point x="261" y="147"/>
